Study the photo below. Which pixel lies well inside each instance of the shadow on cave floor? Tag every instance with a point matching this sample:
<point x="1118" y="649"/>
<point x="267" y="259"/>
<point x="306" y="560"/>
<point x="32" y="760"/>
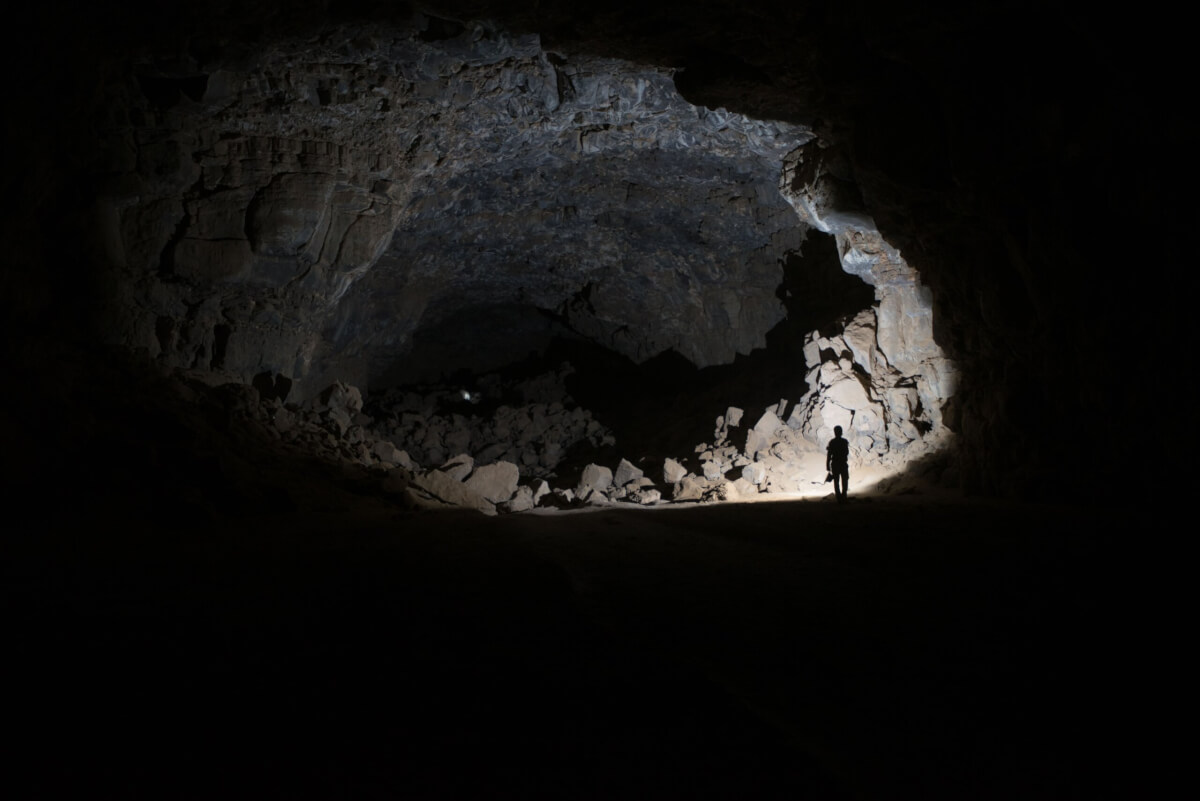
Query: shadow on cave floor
<point x="787" y="650"/>
<point x="187" y="618"/>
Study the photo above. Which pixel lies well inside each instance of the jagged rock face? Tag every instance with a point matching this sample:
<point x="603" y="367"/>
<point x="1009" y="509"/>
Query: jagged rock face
<point x="310" y="207"/>
<point x="1014" y="163"/>
<point x="884" y="377"/>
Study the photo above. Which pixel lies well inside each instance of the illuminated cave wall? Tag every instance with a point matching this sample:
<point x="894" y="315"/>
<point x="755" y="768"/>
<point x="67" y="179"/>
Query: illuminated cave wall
<point x="315" y="206"/>
<point x="1030" y="178"/>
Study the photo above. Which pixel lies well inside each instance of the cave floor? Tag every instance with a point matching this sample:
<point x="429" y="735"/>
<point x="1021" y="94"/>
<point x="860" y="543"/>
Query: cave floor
<point x="889" y="648"/>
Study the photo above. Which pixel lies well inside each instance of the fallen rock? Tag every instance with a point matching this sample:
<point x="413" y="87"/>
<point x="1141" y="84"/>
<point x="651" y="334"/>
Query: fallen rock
<point x="341" y="396"/>
<point x="673" y="471"/>
<point x="459" y="467"/>
<point x="387" y="452"/>
<point x="690" y="488"/>
<point x="594" y="497"/>
<point x="339" y="418"/>
<point x="436" y="489"/>
<point x="755" y="473"/>
<point x="496" y="482"/>
<point x="626" y="473"/>
<point x="646" y="496"/>
<point x="283" y="419"/>
<point x="522" y="501"/>
<point x="594" y="477"/>
<point x="744" y="487"/>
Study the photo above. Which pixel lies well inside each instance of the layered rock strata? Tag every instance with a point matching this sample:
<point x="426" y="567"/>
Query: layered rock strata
<point x="306" y="212"/>
<point x="883" y="377"/>
<point x="306" y="208"/>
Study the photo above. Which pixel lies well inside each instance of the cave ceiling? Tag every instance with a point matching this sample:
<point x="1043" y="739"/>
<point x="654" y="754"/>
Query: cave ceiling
<point x="232" y="169"/>
<point x="326" y="196"/>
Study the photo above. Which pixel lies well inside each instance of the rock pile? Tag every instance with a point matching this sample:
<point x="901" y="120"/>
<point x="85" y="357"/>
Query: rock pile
<point x="410" y="433"/>
<point x="883" y="413"/>
<point x="496" y="446"/>
<point x="315" y="202"/>
<point x="771" y="457"/>
<point x="889" y="416"/>
<point x="534" y="431"/>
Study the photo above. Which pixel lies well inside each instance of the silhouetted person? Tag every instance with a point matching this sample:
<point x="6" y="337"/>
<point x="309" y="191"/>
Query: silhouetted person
<point x="837" y="463"/>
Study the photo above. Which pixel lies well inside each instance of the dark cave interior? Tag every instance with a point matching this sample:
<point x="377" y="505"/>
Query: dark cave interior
<point x="220" y="207"/>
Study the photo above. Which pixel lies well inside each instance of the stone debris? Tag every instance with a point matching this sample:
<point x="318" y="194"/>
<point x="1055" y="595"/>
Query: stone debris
<point x="673" y="471"/>
<point x="522" y="501"/>
<point x="646" y="497"/>
<point x="495" y="447"/>
<point x="435" y="489"/>
<point x="534" y="431"/>
<point x="459" y="467"/>
<point x="888" y="416"/>
<point x="626" y="473"/>
<point x="744" y="488"/>
<point x="755" y="473"/>
<point x="595" y="478"/>
<point x="497" y="482"/>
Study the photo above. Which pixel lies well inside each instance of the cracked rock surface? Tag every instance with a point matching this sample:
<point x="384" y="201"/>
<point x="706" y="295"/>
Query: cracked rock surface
<point x="307" y="208"/>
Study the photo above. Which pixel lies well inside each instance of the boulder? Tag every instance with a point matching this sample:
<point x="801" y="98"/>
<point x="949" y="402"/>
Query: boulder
<point x="338" y="418"/>
<point x="551" y="453"/>
<point x="341" y="396"/>
<point x="435" y="489"/>
<point x="690" y="488"/>
<point x="522" y="501"/>
<point x="386" y="452"/>
<point x="459" y="467"/>
<point x="283" y="419"/>
<point x="645" y="496"/>
<point x="594" y="497"/>
<point x="496" y="482"/>
<point x="626" y="473"/>
<point x="594" y="477"/>
<point x="755" y="473"/>
<point x="769" y="422"/>
<point x="860" y="339"/>
<point x="404" y="460"/>
<point x="673" y="471"/>
<point x="745" y="488"/>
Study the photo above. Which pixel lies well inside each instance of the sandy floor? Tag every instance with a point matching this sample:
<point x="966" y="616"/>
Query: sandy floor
<point x="912" y="647"/>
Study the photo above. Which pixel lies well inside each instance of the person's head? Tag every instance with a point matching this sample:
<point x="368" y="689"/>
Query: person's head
<point x="837" y="431"/>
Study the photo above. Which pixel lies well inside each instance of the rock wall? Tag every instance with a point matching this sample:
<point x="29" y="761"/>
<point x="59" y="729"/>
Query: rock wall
<point x="884" y="379"/>
<point x="304" y="207"/>
<point x="307" y="208"/>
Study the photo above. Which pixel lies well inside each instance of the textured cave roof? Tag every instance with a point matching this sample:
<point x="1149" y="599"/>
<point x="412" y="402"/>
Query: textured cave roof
<point x="1028" y="159"/>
